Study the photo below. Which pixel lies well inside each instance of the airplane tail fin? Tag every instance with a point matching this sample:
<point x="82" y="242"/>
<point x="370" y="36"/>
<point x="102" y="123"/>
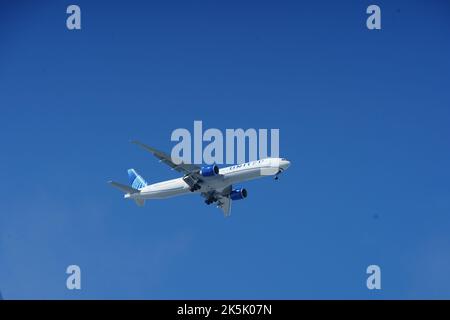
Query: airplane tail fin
<point x="136" y="181"/>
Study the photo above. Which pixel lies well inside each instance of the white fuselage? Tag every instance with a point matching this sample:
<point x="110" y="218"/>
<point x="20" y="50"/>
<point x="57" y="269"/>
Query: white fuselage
<point x="227" y="176"/>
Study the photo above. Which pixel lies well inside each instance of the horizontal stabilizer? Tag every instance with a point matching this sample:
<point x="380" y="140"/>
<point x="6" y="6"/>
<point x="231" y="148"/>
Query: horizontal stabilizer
<point x="122" y="187"/>
<point x="140" y="202"/>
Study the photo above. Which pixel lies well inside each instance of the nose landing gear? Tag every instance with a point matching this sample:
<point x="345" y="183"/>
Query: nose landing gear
<point x="277" y="174"/>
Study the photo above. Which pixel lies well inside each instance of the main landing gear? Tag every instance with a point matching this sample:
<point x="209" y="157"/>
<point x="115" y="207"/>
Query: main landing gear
<point x="195" y="187"/>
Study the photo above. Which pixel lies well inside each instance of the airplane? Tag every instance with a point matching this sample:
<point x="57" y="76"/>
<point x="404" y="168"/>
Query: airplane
<point x="214" y="184"/>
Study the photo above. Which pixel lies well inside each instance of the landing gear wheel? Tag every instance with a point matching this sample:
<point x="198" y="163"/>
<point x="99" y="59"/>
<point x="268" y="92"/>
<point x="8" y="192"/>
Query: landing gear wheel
<point x="195" y="187"/>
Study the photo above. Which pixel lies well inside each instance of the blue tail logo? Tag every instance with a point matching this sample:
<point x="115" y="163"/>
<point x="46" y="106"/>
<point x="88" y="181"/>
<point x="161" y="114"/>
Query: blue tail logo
<point x="136" y="181"/>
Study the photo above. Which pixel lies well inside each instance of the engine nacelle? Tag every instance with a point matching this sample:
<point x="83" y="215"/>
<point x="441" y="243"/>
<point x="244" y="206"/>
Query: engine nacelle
<point x="209" y="171"/>
<point x="238" y="194"/>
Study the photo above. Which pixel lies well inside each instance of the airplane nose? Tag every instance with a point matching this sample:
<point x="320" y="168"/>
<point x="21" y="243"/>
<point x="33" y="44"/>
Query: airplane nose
<point x="284" y="164"/>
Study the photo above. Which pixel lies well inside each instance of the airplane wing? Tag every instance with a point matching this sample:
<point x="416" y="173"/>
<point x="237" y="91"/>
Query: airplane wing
<point x="165" y="158"/>
<point x="192" y="177"/>
<point x="222" y="197"/>
<point x="224" y="203"/>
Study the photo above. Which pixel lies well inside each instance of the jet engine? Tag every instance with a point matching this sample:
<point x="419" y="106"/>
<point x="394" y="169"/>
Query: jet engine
<point x="209" y="171"/>
<point x="238" y="194"/>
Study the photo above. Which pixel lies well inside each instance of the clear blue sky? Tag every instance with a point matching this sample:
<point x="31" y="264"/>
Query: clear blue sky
<point x="363" y="116"/>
